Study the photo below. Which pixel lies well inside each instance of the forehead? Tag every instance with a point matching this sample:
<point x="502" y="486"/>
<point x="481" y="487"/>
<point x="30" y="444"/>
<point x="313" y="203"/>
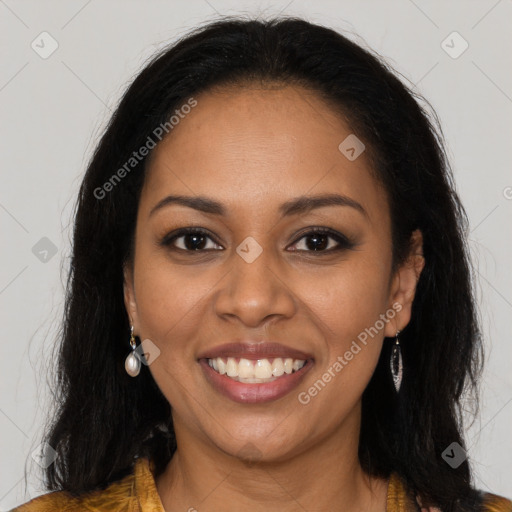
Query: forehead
<point x="251" y="147"/>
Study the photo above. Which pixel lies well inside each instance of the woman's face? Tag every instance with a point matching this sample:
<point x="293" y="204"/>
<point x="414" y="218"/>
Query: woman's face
<point x="268" y="164"/>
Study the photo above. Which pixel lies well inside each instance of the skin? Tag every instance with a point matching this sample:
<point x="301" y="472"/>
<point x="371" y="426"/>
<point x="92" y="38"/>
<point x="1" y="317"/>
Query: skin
<point x="252" y="149"/>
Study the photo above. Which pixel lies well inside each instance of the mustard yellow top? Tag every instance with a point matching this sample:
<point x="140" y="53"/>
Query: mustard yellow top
<point x="137" y="493"/>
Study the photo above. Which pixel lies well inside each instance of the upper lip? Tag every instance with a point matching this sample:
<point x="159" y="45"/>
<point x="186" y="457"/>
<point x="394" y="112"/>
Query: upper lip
<point x="254" y="350"/>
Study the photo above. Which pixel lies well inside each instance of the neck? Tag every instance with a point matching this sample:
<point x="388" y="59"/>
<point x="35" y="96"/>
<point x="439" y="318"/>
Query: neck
<point x="321" y="477"/>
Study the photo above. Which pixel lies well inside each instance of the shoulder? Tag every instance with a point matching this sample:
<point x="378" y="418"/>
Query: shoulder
<point x="400" y="498"/>
<point x="494" y="503"/>
<point x="118" y="496"/>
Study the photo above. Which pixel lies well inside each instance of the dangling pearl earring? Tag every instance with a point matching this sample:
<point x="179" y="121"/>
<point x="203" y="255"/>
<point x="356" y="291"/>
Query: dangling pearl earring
<point x="132" y="362"/>
<point x="396" y="363"/>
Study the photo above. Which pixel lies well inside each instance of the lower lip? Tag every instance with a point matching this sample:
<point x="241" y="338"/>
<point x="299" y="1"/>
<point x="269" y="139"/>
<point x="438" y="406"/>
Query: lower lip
<point x="254" y="393"/>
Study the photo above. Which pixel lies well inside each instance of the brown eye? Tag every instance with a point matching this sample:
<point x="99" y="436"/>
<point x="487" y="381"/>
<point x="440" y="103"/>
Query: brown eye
<point x="190" y="240"/>
<point x="323" y="240"/>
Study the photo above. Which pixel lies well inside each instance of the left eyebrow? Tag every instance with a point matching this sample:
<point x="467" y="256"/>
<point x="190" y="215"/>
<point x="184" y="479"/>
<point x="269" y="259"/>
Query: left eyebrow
<point x="304" y="204"/>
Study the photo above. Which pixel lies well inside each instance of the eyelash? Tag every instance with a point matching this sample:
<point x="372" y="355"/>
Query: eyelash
<point x="344" y="243"/>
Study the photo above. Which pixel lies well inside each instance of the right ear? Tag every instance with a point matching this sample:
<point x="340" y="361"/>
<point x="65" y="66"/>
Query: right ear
<point x="129" y="295"/>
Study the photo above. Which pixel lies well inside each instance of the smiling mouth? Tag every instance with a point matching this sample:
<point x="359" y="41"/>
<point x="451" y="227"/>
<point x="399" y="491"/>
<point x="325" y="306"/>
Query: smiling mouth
<point x="255" y="371"/>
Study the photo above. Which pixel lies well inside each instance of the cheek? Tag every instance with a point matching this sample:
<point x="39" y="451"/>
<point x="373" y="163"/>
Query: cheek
<point x="351" y="311"/>
<point x="349" y="300"/>
<point x="169" y="303"/>
<point x="349" y="314"/>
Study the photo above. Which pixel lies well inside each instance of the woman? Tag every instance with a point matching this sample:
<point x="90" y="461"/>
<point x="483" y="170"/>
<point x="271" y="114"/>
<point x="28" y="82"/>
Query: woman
<point x="270" y="303"/>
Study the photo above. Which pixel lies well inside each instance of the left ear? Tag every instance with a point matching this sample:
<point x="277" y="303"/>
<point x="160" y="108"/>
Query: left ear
<point x="403" y="287"/>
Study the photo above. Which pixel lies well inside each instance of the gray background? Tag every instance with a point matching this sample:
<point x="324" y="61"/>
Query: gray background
<point x="54" y="109"/>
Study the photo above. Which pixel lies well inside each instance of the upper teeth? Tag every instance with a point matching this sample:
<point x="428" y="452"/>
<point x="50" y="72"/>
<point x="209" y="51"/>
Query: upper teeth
<point x="257" y="368"/>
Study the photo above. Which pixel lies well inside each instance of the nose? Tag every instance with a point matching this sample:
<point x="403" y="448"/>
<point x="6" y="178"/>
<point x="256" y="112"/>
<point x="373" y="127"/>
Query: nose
<point x="255" y="293"/>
